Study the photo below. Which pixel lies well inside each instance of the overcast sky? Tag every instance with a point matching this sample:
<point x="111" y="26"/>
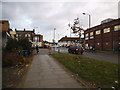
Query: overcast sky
<point x="45" y="16"/>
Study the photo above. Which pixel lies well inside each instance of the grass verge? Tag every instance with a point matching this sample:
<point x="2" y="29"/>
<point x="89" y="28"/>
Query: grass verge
<point x="99" y="73"/>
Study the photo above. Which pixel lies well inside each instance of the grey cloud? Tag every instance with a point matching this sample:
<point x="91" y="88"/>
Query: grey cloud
<point x="49" y="15"/>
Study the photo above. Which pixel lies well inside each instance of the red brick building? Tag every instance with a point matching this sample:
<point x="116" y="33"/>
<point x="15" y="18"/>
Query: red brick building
<point x="36" y="39"/>
<point x="25" y="34"/>
<point x="105" y="36"/>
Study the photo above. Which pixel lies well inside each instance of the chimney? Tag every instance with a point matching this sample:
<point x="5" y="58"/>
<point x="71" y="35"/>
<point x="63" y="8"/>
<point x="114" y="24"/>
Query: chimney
<point x="33" y="30"/>
<point x="65" y="36"/>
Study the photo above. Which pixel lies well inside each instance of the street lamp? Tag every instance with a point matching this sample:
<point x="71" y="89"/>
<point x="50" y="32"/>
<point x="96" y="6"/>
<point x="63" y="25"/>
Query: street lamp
<point x="54" y="34"/>
<point x="70" y="28"/>
<point x="89" y="18"/>
<point x="89" y="26"/>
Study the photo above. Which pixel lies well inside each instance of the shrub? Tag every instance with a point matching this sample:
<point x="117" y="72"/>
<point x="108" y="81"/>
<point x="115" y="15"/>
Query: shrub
<point x="12" y="44"/>
<point x="25" y="44"/>
<point x="12" y="59"/>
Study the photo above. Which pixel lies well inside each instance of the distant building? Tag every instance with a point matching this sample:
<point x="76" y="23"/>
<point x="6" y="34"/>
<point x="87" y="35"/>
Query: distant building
<point x="67" y="41"/>
<point x="38" y="40"/>
<point x="35" y="39"/>
<point x="105" y="36"/>
<point x="4" y="31"/>
<point x="46" y="43"/>
<point x="25" y="34"/>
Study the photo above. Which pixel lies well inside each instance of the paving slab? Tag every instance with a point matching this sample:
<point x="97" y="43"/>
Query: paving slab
<point x="45" y="72"/>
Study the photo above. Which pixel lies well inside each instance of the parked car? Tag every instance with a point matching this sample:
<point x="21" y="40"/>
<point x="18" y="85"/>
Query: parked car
<point x="76" y="49"/>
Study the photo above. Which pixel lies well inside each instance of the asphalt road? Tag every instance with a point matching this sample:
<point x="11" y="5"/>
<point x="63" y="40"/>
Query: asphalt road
<point x="105" y="55"/>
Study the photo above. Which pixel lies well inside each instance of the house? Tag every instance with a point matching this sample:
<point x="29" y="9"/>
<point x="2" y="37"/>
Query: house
<point x="47" y="44"/>
<point x="25" y="34"/>
<point x="105" y="36"/>
<point x="4" y="31"/>
<point x="67" y="41"/>
<point x="38" y="40"/>
<point x="35" y="39"/>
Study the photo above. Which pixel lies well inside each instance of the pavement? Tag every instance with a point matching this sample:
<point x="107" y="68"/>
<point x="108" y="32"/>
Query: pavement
<point x="46" y="72"/>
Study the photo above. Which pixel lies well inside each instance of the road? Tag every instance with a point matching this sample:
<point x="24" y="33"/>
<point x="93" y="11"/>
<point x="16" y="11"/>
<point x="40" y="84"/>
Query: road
<point x="105" y="56"/>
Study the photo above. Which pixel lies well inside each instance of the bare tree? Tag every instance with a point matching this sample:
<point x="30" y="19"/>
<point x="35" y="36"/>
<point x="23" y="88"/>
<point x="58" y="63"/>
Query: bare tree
<point x="77" y="29"/>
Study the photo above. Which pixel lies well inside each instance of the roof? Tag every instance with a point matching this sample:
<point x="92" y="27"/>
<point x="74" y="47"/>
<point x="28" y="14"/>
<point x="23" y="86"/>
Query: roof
<point x="69" y="39"/>
<point x="24" y="31"/>
<point x="38" y="35"/>
<point x="113" y="22"/>
<point x="4" y="21"/>
<point x="49" y="42"/>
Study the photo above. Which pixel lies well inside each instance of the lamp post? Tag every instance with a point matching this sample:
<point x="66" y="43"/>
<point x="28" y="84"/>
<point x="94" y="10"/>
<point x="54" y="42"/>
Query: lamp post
<point x="70" y="28"/>
<point x="89" y="16"/>
<point x="54" y="34"/>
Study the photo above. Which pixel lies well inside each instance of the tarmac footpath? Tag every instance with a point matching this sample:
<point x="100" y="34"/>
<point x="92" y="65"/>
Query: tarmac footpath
<point x="45" y="72"/>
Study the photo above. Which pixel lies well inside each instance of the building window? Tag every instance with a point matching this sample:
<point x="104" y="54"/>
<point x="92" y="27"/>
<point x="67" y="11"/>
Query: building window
<point x="19" y="35"/>
<point x="25" y="35"/>
<point x="28" y="35"/>
<point x="106" y="43"/>
<point x="98" y="43"/>
<point x="106" y="30"/>
<point x="16" y="35"/>
<point x="1" y="22"/>
<point x="91" y="33"/>
<point x="91" y="37"/>
<point x="86" y="35"/>
<point x="116" y="28"/>
<point x="98" y="32"/>
<point x="86" y="38"/>
<point x="86" y="45"/>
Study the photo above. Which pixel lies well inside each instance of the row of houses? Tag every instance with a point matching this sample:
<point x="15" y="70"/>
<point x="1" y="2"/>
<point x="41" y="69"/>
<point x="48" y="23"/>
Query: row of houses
<point x="6" y="32"/>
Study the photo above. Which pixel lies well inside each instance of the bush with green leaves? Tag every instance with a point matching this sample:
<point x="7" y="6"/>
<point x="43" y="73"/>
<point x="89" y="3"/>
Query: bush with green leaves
<point x="13" y="54"/>
<point x="24" y="43"/>
<point x="16" y="45"/>
<point x="12" y="44"/>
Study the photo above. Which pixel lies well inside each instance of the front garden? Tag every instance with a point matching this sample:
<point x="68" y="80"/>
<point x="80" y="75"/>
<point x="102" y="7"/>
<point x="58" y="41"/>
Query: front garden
<point x="16" y="59"/>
